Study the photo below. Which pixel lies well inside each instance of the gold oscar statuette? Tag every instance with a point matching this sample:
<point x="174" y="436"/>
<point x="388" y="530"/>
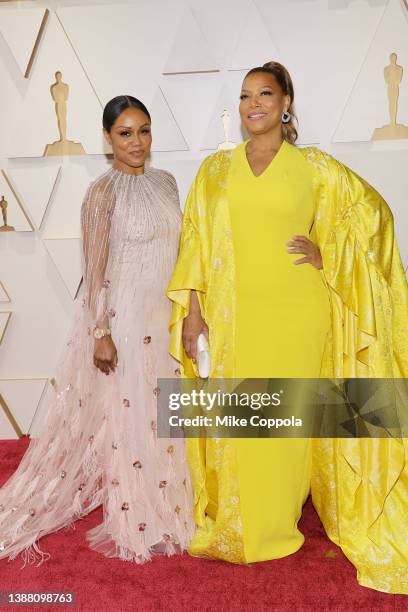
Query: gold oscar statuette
<point x="5" y="227"/>
<point x="393" y="77"/>
<point x="226" y="122"/>
<point x="59" y="93"/>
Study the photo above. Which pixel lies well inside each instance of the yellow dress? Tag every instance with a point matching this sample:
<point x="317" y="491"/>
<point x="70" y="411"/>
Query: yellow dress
<point x="281" y="322"/>
<point x="359" y="487"/>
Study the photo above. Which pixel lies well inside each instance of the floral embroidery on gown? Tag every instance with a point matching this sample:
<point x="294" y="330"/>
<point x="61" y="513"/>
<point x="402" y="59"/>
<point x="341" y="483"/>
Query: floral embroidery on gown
<point x="99" y="444"/>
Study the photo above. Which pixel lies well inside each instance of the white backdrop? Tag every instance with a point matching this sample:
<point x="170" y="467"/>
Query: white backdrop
<point x="185" y="59"/>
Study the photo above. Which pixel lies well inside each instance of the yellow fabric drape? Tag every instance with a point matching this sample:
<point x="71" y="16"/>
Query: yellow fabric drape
<point x="359" y="487"/>
<point x="206" y="264"/>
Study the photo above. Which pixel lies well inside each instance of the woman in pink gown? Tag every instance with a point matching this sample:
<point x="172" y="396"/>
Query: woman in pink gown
<point x="99" y="442"/>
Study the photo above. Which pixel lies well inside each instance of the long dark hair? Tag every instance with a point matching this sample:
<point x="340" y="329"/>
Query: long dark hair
<point x="284" y="79"/>
<point x="117" y="105"/>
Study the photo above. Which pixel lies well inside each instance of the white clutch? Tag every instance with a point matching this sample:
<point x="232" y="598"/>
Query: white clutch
<point x="203" y="357"/>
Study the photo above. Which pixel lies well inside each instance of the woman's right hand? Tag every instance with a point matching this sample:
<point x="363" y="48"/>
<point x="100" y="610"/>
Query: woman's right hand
<point x="193" y="326"/>
<point x="105" y="355"/>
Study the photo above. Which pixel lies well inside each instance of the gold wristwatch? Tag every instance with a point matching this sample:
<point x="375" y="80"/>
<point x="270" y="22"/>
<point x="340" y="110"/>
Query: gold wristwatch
<point x="99" y="333"/>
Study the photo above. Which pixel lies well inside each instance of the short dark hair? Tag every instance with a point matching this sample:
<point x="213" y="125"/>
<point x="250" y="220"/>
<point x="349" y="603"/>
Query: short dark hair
<point x="117" y="105"/>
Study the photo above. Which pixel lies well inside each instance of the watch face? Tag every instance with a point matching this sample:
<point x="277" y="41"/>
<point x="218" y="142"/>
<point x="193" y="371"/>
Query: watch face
<point x="98" y="333"/>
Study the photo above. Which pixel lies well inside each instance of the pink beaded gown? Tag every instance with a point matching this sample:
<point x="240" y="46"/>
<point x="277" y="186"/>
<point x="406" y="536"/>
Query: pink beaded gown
<point x="99" y="444"/>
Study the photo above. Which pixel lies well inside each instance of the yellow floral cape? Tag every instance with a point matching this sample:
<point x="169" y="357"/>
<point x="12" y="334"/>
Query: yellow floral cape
<point x="359" y="486"/>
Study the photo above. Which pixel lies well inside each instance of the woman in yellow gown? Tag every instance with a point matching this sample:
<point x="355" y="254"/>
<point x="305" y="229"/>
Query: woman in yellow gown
<point x="236" y="281"/>
<point x="281" y="323"/>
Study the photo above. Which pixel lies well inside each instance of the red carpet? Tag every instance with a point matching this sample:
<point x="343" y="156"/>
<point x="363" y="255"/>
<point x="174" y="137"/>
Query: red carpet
<point x="318" y="577"/>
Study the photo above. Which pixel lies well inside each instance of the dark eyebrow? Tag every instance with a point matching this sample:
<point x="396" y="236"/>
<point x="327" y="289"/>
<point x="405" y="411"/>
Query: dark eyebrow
<point x="126" y="127"/>
<point x="263" y="87"/>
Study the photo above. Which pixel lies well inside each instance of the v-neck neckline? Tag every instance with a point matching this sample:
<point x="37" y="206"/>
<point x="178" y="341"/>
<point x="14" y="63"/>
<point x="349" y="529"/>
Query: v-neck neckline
<point x="271" y="163"/>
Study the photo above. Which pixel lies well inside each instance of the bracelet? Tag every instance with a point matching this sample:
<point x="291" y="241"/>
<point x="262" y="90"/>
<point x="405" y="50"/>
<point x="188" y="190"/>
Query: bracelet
<point x="99" y="333"/>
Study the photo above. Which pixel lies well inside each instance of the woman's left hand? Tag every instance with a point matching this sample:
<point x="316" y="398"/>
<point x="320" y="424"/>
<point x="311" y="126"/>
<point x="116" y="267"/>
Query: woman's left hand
<point x="301" y="244"/>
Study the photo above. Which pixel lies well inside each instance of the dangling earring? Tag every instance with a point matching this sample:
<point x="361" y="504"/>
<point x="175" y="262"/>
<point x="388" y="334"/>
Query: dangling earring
<point x="286" y="117"/>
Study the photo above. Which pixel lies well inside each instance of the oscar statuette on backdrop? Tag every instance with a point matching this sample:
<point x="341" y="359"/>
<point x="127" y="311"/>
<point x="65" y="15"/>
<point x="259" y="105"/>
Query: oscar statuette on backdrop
<point x="393" y="77"/>
<point x="63" y="146"/>
<point x="226" y="122"/>
<point x="5" y="227"/>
